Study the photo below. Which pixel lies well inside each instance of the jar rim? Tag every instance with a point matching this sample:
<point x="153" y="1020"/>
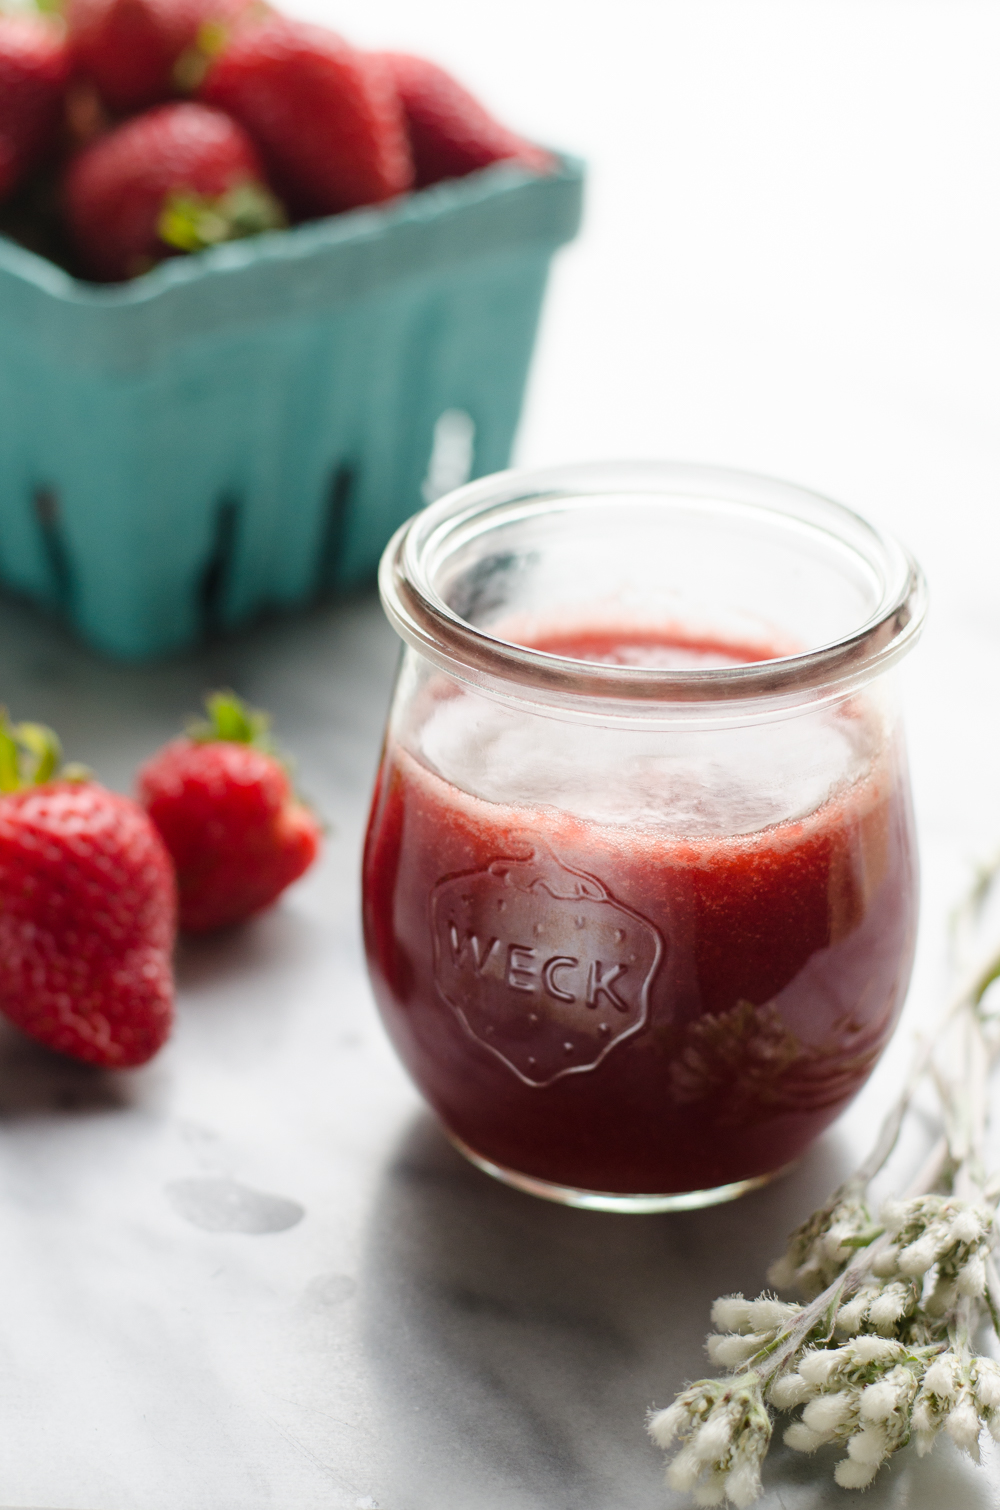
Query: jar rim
<point x="826" y="672"/>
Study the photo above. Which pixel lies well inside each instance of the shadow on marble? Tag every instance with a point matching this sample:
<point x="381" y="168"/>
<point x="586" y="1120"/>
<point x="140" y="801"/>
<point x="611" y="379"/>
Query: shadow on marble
<point x="276" y="939"/>
<point x="35" y="1082"/>
<point x="515" y="1346"/>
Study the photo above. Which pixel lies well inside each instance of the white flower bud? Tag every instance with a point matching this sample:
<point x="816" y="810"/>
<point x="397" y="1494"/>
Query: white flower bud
<point x="888" y="1308"/>
<point x="833" y="1240"/>
<point x="743" y="1483"/>
<point x="819" y="1365"/>
<point x="987" y="1383"/>
<point x="810" y="1277"/>
<point x="885" y="1263"/>
<point x="712" y="1492"/>
<point x="828" y="1412"/>
<point x="873" y="1349"/>
<point x="782" y="1273"/>
<point x="925" y="1424"/>
<point x="878" y="1401"/>
<point x="664" y="1425"/>
<point x="769" y="1315"/>
<point x="788" y="1391"/>
<point x="895" y="1215"/>
<point x="851" y="1318"/>
<point x="801" y="1439"/>
<point x="869" y="1445"/>
<point x="924" y="1417"/>
<point x="731" y="1313"/>
<point x="962" y="1425"/>
<point x="852" y="1475"/>
<point x="919" y="1256"/>
<point x="970" y="1226"/>
<point x="711" y="1442"/>
<point x="940" y="1378"/>
<point x="732" y="1350"/>
<point x="972" y="1277"/>
<point x="685" y="1470"/>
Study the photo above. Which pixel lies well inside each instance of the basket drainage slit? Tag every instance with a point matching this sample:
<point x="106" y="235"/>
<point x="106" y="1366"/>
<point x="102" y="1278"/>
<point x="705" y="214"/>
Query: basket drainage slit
<point x="45" y="503"/>
<point x="339" y="493"/>
<point x="217" y="571"/>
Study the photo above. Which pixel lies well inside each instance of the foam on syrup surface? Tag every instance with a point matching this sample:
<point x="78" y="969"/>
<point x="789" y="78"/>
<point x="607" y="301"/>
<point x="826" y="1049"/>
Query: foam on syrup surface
<point x="777" y="775"/>
<point x="687" y="784"/>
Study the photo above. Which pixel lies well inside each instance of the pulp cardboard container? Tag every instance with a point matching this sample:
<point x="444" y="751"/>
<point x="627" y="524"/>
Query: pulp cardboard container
<point x="243" y="430"/>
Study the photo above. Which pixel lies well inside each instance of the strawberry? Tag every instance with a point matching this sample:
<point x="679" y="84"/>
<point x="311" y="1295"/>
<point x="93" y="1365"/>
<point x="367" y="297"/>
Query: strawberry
<point x="136" y="51"/>
<point x="87" y="909"/>
<point x="325" y="116"/>
<point x="451" y="133"/>
<point x="34" y="72"/>
<point x="178" y="178"/>
<point x="225" y="807"/>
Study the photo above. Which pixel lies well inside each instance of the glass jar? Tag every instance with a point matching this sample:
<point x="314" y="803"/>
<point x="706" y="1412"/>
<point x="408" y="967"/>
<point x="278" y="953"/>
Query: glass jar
<point x="640" y="883"/>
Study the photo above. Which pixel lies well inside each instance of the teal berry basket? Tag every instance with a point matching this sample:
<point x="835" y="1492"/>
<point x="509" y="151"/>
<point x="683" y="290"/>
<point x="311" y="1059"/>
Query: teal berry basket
<point x="242" y="431"/>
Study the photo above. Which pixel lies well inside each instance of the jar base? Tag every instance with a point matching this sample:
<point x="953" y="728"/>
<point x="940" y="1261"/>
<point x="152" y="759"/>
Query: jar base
<point x="609" y="1200"/>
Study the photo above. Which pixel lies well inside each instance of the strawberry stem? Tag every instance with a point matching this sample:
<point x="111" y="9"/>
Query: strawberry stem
<point x="192" y="65"/>
<point x="43" y="744"/>
<point x="30" y="755"/>
<point x="191" y="222"/>
<point x="234" y="721"/>
<point x="10" y="775"/>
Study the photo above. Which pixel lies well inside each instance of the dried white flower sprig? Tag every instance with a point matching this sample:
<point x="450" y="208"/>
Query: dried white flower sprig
<point x="725" y="1429"/>
<point x="882" y="1353"/>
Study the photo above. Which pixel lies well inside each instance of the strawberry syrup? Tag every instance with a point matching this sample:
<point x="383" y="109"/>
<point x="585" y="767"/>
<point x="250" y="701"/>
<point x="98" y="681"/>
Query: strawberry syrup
<point x="637" y="1006"/>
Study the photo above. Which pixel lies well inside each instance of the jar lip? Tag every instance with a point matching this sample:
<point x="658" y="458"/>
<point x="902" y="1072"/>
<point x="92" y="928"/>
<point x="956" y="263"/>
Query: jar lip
<point x="832" y="670"/>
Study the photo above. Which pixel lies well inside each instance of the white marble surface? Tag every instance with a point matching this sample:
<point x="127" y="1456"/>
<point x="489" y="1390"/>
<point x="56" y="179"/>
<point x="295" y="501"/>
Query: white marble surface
<point x="252" y="1275"/>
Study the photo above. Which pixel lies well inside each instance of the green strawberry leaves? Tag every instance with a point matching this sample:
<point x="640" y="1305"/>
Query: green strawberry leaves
<point x="192" y="222"/>
<point x="193" y="63"/>
<point x="30" y="755"/>
<point x="233" y="720"/>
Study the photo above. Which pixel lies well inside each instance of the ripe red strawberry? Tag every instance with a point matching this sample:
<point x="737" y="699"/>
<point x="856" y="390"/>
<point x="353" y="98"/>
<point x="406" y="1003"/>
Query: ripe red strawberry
<point x="228" y="815"/>
<point x="451" y="133"/>
<point x="131" y="48"/>
<point x="87" y="912"/>
<point x="325" y="116"/>
<point x="178" y="178"/>
<point x="34" y="71"/>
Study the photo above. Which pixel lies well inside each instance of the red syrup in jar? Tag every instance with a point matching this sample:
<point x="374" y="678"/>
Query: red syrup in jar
<point x="646" y="994"/>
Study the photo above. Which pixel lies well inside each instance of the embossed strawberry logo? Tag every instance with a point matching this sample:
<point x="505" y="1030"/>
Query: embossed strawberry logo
<point x="542" y="964"/>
